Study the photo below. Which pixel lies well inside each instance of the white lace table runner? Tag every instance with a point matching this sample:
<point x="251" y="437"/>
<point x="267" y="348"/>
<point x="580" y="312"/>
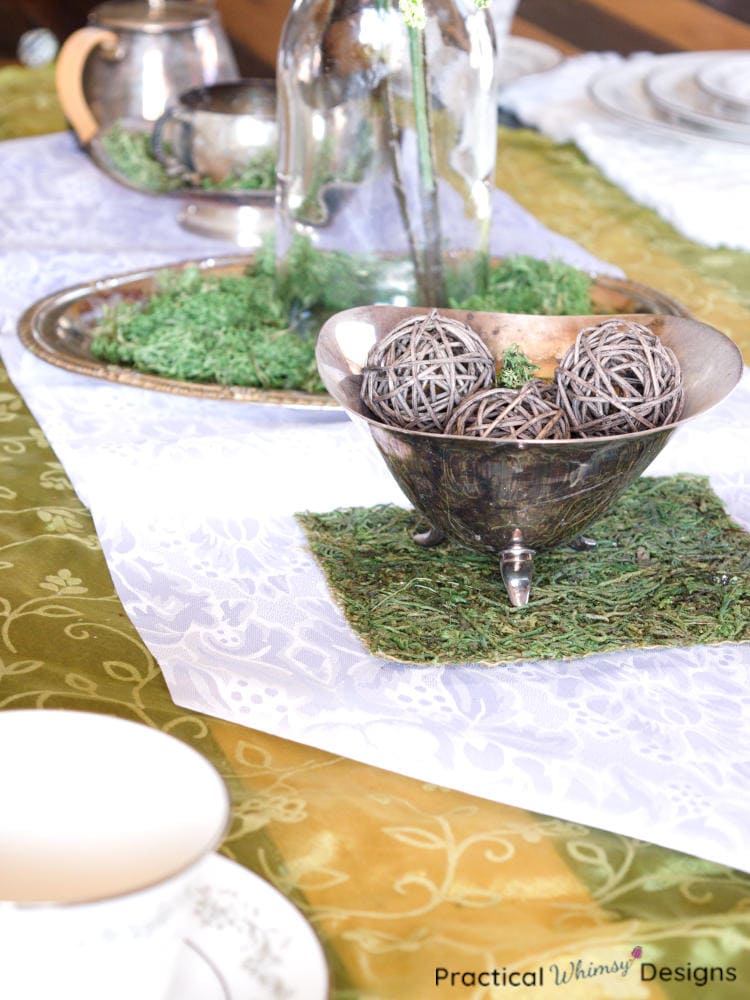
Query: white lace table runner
<point x="194" y="501"/>
<point x="699" y="186"/>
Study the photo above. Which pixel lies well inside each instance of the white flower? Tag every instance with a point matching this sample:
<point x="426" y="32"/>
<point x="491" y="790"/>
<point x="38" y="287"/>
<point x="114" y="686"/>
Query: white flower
<point x="415" y="15"/>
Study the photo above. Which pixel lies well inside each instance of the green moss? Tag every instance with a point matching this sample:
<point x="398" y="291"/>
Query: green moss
<point x="238" y="330"/>
<point x="130" y="154"/>
<point x="517" y="369"/>
<point x="204" y="328"/>
<point x="670" y="569"/>
<point x="523" y="284"/>
<point x="326" y="281"/>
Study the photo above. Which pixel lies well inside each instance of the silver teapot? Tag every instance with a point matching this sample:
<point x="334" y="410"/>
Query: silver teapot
<point x="134" y="58"/>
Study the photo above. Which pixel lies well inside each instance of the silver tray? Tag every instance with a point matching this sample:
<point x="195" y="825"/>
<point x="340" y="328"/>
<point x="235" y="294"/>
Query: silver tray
<point x="57" y="329"/>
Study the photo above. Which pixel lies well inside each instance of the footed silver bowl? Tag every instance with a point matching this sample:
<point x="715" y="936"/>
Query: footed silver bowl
<point x="514" y="498"/>
<point x="242" y="216"/>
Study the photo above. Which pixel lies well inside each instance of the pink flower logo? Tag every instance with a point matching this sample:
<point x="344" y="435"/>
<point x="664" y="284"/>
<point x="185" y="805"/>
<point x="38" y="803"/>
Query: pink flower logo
<point x="637" y="952"/>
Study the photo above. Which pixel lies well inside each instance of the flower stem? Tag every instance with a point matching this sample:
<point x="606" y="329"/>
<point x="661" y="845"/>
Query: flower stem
<point x="432" y="282"/>
<point x="394" y="154"/>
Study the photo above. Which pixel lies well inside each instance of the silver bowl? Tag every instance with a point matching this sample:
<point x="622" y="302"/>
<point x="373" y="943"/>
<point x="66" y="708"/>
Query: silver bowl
<point x="514" y="498"/>
<point x="244" y="217"/>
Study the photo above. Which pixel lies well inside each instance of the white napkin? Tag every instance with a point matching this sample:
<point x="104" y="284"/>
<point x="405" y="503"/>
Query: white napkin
<point x="700" y="186"/>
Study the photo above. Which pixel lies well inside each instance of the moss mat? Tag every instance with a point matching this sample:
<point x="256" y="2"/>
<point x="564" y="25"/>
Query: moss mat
<point x="670" y="569"/>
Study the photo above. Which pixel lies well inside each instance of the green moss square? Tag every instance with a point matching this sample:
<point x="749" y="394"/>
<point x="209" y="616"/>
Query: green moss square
<point x="670" y="569"/>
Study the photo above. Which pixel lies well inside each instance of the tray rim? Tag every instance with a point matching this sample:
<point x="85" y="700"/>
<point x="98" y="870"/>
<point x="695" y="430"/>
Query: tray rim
<point x="32" y="336"/>
<point x="31" y="332"/>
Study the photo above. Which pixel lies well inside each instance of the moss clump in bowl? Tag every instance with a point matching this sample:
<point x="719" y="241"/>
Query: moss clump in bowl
<point x="131" y="156"/>
<point x="523" y="284"/>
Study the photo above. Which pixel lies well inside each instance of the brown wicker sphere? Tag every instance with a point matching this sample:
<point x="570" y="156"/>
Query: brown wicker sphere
<point x="417" y="375"/>
<point x="618" y="377"/>
<point x="530" y="414"/>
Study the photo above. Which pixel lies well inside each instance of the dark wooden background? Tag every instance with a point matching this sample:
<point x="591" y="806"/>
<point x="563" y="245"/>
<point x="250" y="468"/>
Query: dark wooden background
<point x="572" y="25"/>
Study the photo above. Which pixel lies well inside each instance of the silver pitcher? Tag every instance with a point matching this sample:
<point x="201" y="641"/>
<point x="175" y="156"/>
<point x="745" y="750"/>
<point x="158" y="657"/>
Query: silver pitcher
<point x="134" y="58"/>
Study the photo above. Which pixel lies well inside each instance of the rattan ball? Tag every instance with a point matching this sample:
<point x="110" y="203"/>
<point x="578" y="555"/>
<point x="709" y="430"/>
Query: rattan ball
<point x="618" y="377"/>
<point x="530" y="414"/>
<point x="418" y="374"/>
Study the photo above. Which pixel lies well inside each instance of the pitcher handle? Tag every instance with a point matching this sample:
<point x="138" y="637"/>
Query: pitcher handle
<point x="69" y="77"/>
<point x="180" y="163"/>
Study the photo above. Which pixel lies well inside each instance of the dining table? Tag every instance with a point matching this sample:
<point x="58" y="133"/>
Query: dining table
<point x="567" y="825"/>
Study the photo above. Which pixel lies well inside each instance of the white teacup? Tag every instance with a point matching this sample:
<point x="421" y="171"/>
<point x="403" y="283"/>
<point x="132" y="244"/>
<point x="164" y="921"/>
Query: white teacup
<point x="104" y="825"/>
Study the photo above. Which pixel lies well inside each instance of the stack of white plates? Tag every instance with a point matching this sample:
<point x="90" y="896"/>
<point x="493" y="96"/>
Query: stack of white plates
<point x="702" y="94"/>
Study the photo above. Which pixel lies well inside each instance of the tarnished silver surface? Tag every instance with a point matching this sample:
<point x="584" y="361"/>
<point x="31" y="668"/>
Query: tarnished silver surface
<point x="189" y="193"/>
<point x="244" y="217"/>
<point x="516" y="567"/>
<point x="428" y="539"/>
<point x="247" y="225"/>
<point x="134" y="58"/>
<point x="214" y="132"/>
<point x="506" y="496"/>
<point x="57" y="327"/>
<point x="58" y="330"/>
<point x="583" y="543"/>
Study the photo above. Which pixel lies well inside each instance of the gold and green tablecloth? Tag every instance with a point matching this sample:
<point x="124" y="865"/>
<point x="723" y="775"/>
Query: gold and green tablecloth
<point x="568" y="194"/>
<point x="398" y="877"/>
<point x="28" y="102"/>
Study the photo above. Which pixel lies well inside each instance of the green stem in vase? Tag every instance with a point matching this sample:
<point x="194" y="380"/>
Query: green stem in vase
<point x="432" y="283"/>
<point x="394" y="154"/>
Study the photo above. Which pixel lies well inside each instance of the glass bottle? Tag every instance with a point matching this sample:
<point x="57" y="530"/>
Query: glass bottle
<point x="387" y="138"/>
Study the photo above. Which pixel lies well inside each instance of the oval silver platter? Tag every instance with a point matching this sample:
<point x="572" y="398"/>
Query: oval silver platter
<point x="58" y="329"/>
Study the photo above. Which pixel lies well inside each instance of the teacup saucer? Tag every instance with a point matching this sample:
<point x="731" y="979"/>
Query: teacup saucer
<point x="248" y="942"/>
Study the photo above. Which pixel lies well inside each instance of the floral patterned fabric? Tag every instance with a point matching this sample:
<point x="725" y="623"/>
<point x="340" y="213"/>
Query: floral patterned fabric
<point x="194" y="503"/>
<point x="399" y="877"/>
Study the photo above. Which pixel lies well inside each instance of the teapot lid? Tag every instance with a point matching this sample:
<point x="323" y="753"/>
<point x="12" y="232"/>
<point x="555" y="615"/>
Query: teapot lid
<point x="154" y="16"/>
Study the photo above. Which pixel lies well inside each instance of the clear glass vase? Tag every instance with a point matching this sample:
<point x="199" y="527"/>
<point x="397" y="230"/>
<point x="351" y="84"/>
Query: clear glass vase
<point x="386" y="153"/>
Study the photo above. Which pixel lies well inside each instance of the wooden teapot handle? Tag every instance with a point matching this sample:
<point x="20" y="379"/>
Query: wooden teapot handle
<point x="69" y="77"/>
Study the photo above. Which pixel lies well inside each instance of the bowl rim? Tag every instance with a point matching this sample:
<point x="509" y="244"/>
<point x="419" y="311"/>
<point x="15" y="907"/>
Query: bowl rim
<point x="522" y="444"/>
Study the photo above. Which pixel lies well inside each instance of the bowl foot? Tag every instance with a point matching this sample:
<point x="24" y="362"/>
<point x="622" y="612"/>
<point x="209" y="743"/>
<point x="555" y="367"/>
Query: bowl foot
<point x="516" y="566"/>
<point x="429" y="538"/>
<point x="583" y="543"/>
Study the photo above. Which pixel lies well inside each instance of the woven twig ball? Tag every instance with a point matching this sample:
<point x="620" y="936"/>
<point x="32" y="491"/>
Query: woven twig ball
<point x="618" y="377"/>
<point x="417" y="375"/>
<point x="529" y="413"/>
